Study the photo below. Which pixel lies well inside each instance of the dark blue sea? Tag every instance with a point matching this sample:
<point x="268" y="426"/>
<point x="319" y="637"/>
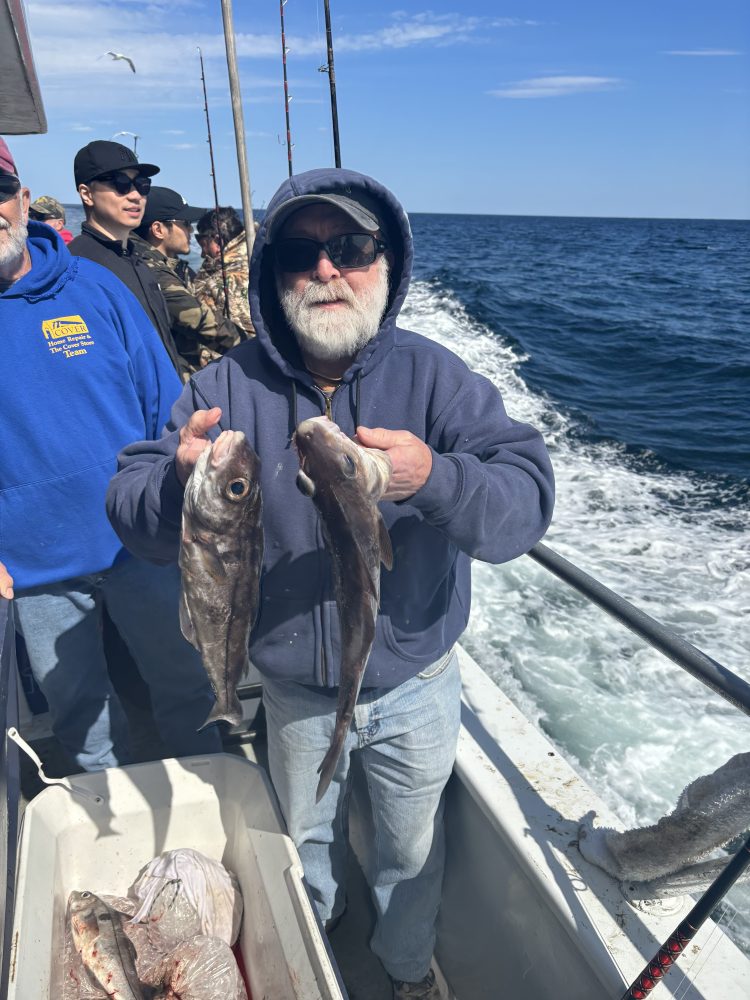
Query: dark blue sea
<point x="638" y="328"/>
<point x="627" y="342"/>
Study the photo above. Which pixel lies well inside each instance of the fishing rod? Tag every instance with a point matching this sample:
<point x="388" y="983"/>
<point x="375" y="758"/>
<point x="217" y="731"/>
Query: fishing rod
<point x="681" y="937"/>
<point x="220" y="238"/>
<point x="332" y="84"/>
<point x="287" y="98"/>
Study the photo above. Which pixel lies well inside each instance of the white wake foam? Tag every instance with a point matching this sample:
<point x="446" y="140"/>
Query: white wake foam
<point x="635" y="725"/>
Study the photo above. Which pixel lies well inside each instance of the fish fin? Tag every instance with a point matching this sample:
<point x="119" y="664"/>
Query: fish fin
<point x="232" y="715"/>
<point x="186" y="621"/>
<point x="328" y="767"/>
<point x="386" y="549"/>
<point x="209" y="561"/>
<point x="305" y="484"/>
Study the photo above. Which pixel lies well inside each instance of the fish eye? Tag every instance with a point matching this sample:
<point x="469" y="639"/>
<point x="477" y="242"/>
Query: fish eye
<point x="85" y="895"/>
<point x="237" y="489"/>
<point x="350" y="469"/>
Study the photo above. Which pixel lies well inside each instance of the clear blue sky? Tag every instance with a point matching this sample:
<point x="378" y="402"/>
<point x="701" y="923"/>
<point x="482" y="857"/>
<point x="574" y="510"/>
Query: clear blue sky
<point x="540" y="107"/>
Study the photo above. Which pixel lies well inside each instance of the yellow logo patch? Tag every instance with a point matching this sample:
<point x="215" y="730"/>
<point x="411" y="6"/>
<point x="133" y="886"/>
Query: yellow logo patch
<point x="67" y="336"/>
<point x="63" y="326"/>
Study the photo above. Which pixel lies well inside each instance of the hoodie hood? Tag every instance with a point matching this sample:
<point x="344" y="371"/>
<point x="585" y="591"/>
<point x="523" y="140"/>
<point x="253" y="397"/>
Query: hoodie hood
<point x="52" y="266"/>
<point x="271" y="328"/>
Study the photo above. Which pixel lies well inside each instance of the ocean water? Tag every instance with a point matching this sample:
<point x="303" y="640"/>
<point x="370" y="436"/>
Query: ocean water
<point x="627" y="343"/>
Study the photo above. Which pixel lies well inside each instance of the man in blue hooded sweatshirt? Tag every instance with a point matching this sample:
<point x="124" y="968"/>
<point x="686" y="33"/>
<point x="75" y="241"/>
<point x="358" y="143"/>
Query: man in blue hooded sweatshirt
<point x="329" y="273"/>
<point x="83" y="373"/>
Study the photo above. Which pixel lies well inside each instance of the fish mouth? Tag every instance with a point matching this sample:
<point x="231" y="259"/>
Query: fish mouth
<point x="223" y="445"/>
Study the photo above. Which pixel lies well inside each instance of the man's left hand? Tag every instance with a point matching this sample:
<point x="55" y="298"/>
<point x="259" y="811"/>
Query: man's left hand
<point x="411" y="459"/>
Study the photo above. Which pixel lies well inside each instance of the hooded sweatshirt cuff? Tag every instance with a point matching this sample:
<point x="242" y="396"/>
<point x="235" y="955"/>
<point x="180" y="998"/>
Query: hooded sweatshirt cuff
<point x="439" y="496"/>
<point x="171" y="494"/>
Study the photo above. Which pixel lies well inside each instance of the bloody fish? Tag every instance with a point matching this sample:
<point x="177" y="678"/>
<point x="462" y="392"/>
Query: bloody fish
<point x="106" y="951"/>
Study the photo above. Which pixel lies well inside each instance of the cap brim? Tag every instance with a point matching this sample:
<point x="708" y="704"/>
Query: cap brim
<point x="144" y="169"/>
<point x="356" y="212"/>
<point x="190" y="214"/>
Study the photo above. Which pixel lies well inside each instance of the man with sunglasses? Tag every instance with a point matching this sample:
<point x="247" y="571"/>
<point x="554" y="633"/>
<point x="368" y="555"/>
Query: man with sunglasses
<point x="113" y="187"/>
<point x="330" y="270"/>
<point x="83" y="373"/>
<point x="164" y="234"/>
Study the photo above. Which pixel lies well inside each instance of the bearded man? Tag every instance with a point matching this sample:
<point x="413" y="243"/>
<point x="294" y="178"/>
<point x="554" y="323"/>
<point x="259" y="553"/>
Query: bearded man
<point x="330" y="271"/>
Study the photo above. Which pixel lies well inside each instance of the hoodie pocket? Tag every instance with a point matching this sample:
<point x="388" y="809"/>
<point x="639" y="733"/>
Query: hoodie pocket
<point x="57" y="528"/>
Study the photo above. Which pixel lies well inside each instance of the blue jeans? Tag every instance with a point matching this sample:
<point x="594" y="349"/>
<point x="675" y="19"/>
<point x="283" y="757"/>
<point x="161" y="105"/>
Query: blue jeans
<point x="62" y="627"/>
<point x="406" y="740"/>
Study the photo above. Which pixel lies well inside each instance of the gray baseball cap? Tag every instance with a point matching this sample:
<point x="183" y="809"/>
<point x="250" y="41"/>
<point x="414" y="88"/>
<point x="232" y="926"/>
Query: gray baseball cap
<point x="358" y="211"/>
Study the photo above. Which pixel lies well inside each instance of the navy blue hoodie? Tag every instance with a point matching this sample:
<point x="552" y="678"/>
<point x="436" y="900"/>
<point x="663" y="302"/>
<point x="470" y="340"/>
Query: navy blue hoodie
<point x="83" y="373"/>
<point x="489" y="495"/>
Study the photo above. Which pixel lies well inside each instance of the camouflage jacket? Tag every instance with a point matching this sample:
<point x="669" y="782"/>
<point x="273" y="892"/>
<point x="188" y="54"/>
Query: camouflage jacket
<point x="209" y="287"/>
<point x="200" y="334"/>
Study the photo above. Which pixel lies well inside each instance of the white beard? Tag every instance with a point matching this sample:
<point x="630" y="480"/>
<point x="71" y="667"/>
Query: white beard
<point x="340" y="333"/>
<point x="13" y="243"/>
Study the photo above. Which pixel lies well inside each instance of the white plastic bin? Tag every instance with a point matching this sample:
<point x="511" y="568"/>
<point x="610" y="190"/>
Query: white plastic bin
<point x="221" y="805"/>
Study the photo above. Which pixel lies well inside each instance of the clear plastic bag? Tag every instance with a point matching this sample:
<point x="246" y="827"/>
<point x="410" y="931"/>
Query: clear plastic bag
<point x="183" y="893"/>
<point x="203" y="968"/>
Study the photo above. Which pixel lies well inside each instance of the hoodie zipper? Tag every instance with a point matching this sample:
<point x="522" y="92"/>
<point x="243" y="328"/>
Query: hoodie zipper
<point x="325" y="673"/>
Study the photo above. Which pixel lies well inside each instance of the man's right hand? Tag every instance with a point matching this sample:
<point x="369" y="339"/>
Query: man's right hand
<point x="194" y="440"/>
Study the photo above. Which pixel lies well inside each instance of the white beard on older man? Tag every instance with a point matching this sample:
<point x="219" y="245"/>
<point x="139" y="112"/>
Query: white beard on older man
<point x="341" y="333"/>
<point x="13" y="241"/>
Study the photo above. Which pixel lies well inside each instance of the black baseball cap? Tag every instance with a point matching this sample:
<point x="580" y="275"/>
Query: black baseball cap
<point x="164" y="204"/>
<point x="100" y="157"/>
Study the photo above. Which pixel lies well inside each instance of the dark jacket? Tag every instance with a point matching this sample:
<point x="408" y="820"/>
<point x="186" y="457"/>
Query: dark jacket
<point x="489" y="495"/>
<point x="200" y="335"/>
<point x="83" y="373"/>
<point x="134" y="274"/>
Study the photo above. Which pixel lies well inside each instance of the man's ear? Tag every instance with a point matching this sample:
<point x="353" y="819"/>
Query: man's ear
<point x="158" y="229"/>
<point x="25" y="202"/>
<point x="84" y="193"/>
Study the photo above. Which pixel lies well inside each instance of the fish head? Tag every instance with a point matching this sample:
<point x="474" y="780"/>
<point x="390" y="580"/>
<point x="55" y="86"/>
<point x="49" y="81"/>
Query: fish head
<point x="82" y="902"/>
<point x="327" y="456"/>
<point x="225" y="482"/>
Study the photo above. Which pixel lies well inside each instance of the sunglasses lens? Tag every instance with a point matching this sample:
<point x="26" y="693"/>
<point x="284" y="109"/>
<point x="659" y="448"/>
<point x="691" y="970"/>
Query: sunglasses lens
<point x="123" y="184"/>
<point x="352" y="250"/>
<point x="297" y="254"/>
<point x="9" y="188"/>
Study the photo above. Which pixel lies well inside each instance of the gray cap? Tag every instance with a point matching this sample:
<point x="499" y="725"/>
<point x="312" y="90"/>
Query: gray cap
<point x="364" y="217"/>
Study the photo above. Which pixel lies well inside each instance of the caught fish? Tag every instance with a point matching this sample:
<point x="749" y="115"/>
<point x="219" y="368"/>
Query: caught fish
<point x="221" y="555"/>
<point x="345" y="482"/>
<point x="105" y="949"/>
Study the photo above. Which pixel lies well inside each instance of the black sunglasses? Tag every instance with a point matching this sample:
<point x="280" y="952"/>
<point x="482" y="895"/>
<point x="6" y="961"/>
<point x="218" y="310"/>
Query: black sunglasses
<point x="123" y="184"/>
<point x="350" y="250"/>
<point x="9" y="187"/>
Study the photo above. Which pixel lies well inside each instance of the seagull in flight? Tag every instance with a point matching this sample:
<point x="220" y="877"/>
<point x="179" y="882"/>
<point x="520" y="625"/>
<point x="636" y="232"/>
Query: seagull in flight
<point x="119" y="55"/>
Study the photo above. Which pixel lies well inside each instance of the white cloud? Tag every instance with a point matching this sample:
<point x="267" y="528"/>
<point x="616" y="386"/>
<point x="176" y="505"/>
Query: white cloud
<point x="182" y="145"/>
<point x="703" y="52"/>
<point x="173" y="131"/>
<point x="556" y="86"/>
<point x="81" y="128"/>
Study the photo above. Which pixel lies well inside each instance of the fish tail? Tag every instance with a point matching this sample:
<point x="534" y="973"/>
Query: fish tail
<point x="231" y="714"/>
<point x="331" y="759"/>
